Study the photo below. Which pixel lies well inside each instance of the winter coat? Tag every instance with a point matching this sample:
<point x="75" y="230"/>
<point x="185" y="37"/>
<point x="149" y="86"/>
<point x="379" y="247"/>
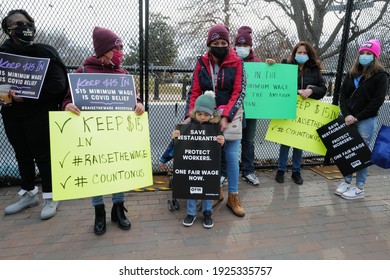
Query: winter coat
<point x="311" y="77"/>
<point x="364" y="101"/>
<point x="229" y="85"/>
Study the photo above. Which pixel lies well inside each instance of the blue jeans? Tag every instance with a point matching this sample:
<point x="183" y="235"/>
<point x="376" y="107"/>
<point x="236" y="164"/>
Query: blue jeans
<point x="116" y="198"/>
<point x="248" y="147"/>
<point x="207" y="205"/>
<point x="231" y="151"/>
<point x="366" y="129"/>
<point x="296" y="158"/>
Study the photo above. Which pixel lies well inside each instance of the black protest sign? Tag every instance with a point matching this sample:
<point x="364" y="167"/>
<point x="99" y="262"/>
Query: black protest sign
<point x="345" y="145"/>
<point x="103" y="92"/>
<point x="197" y="162"/>
<point x="25" y="74"/>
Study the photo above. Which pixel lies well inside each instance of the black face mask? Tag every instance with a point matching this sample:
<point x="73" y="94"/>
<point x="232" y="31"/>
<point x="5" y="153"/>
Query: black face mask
<point x="24" y="33"/>
<point x="219" y="52"/>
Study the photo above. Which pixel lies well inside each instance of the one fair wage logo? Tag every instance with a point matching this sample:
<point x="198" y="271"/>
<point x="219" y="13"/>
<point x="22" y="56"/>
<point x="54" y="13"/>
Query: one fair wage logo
<point x="198" y="190"/>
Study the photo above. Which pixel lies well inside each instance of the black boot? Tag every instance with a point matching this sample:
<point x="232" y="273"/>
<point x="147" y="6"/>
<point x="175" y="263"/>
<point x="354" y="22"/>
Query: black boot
<point x="296" y="176"/>
<point x="118" y="216"/>
<point x="100" y="220"/>
<point x="279" y="176"/>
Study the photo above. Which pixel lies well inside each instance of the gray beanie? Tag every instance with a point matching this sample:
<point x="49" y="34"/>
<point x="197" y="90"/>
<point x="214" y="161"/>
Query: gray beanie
<point x="206" y="103"/>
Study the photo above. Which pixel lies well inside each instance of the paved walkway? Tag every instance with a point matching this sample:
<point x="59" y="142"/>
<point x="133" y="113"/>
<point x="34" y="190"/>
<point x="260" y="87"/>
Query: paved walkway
<point x="283" y="221"/>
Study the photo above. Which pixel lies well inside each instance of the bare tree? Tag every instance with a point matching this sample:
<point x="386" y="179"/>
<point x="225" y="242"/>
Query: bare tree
<point x="297" y="20"/>
<point x="201" y="14"/>
<point x="310" y="25"/>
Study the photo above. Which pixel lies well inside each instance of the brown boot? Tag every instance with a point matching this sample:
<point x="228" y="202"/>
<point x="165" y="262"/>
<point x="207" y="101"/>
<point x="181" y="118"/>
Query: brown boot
<point x="234" y="204"/>
<point x="217" y="201"/>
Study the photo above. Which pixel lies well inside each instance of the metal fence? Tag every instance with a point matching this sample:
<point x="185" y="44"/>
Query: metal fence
<point x="174" y="33"/>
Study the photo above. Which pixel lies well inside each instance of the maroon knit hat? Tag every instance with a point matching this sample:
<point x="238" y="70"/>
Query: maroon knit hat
<point x="104" y="40"/>
<point x="244" y="36"/>
<point x="216" y="32"/>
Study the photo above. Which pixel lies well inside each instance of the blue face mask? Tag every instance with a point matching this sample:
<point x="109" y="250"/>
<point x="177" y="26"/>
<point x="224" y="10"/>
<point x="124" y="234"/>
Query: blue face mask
<point x="366" y="59"/>
<point x="301" y="58"/>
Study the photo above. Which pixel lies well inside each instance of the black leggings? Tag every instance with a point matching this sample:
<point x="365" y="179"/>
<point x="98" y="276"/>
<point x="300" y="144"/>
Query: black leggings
<point x="30" y="139"/>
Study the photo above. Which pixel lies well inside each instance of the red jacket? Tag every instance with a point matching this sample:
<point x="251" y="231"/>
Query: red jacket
<point x="229" y="85"/>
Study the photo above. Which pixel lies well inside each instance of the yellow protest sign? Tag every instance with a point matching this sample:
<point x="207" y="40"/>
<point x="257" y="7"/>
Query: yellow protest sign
<point x="99" y="152"/>
<point x="301" y="132"/>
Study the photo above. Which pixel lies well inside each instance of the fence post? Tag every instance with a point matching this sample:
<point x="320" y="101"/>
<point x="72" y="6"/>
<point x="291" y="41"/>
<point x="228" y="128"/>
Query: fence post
<point x="156" y="88"/>
<point x="184" y="88"/>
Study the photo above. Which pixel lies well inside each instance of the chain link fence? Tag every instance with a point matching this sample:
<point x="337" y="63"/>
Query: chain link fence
<point x="174" y="32"/>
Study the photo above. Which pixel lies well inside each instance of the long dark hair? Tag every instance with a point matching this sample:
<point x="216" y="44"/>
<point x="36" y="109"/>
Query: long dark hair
<point x="311" y="52"/>
<point x="4" y="22"/>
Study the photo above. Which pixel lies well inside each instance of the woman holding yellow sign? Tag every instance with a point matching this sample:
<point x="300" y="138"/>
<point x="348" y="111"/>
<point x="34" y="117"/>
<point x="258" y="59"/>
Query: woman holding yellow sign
<point x="107" y="59"/>
<point x="310" y="85"/>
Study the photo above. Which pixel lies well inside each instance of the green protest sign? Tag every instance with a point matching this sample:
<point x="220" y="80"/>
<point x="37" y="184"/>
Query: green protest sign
<point x="271" y="91"/>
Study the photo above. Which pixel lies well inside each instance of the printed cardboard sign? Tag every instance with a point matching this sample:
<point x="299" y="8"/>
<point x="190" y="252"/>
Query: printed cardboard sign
<point x="25" y="74"/>
<point x="346" y="146"/>
<point x="197" y="162"/>
<point x="103" y="92"/>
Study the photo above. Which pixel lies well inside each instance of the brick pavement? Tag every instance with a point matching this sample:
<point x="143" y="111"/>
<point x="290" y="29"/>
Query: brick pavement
<point x="283" y="221"/>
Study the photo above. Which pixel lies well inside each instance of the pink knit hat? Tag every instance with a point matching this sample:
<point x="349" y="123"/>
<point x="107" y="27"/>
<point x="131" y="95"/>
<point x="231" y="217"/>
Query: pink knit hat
<point x="244" y="36"/>
<point x="216" y="32"/>
<point x="104" y="40"/>
<point x="373" y="46"/>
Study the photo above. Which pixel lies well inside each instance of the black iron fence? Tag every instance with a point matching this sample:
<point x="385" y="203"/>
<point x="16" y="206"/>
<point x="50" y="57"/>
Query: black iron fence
<point x="163" y="38"/>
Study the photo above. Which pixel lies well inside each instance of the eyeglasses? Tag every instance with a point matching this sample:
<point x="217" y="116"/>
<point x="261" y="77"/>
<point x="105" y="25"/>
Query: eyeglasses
<point x="22" y="23"/>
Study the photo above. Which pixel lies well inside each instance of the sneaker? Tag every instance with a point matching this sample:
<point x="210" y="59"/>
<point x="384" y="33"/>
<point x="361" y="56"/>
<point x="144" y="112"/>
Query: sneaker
<point x="189" y="220"/>
<point x="342" y="188"/>
<point x="279" y="176"/>
<point x="207" y="221"/>
<point x="353" y="193"/>
<point x="296" y="176"/>
<point x="223" y="180"/>
<point x="25" y="201"/>
<point x="49" y="209"/>
<point x="251" y="179"/>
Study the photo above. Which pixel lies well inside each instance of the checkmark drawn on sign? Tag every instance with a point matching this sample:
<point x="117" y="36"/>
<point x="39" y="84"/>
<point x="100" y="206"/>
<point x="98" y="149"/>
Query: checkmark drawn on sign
<point x="64" y="184"/>
<point x="63" y="126"/>
<point x="62" y="162"/>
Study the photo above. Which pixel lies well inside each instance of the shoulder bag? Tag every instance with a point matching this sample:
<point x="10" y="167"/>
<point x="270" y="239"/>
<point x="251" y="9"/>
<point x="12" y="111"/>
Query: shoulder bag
<point x="381" y="152"/>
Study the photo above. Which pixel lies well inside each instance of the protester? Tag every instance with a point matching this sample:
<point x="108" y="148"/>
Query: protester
<point x="107" y="59"/>
<point x="222" y="71"/>
<point x="26" y="120"/>
<point x="203" y="113"/>
<point x="362" y="94"/>
<point x="243" y="46"/>
<point x="310" y="85"/>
